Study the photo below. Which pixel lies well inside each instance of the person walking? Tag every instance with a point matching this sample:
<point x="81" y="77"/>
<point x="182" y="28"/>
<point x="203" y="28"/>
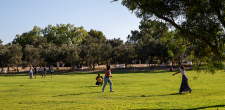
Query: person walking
<point x="184" y="84"/>
<point x="107" y="79"/>
<point x="52" y="70"/>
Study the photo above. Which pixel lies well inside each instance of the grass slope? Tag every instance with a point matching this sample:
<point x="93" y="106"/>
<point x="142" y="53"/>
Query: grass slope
<point x="133" y="90"/>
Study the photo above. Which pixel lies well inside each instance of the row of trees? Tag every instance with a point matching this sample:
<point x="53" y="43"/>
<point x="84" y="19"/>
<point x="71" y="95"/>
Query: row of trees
<point x="74" y="45"/>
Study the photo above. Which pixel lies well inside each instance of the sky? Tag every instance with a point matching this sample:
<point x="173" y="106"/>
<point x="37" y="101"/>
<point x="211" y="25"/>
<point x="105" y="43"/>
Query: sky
<point x="19" y="16"/>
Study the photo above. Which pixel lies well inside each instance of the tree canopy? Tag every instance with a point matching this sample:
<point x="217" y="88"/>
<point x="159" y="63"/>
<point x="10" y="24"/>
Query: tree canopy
<point x="199" y="22"/>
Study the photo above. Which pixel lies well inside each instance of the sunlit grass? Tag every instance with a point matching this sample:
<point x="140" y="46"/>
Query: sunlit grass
<point x="133" y="90"/>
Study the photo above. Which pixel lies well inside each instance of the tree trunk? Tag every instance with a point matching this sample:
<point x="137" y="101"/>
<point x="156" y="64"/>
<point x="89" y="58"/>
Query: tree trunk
<point x="17" y="69"/>
<point x="179" y="63"/>
<point x="94" y="65"/>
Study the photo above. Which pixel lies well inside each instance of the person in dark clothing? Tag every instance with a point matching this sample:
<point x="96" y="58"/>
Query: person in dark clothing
<point x="35" y="71"/>
<point x="184" y="84"/>
<point x="99" y="80"/>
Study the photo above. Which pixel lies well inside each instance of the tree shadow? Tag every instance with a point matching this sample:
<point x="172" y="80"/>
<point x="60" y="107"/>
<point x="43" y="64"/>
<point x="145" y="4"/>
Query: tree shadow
<point x="113" y="72"/>
<point x="172" y="94"/>
<point x="213" y="106"/>
<point x="15" y="74"/>
<point x="93" y="86"/>
<point x="74" y="94"/>
<point x="159" y="95"/>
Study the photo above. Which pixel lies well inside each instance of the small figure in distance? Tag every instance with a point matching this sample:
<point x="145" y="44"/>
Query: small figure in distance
<point x="52" y="70"/>
<point x="44" y="72"/>
<point x="184" y="85"/>
<point x="171" y="69"/>
<point x="31" y="73"/>
<point x="35" y="71"/>
<point x="107" y="79"/>
<point x="99" y="80"/>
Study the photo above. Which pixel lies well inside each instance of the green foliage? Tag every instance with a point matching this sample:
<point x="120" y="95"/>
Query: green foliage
<point x="117" y="53"/>
<point x="64" y="34"/>
<point x="93" y="49"/>
<point x="133" y="90"/>
<point x="4" y="56"/>
<point x="152" y="42"/>
<point x="200" y="23"/>
<point x="96" y="34"/>
<point x="15" y="54"/>
<point x="31" y="53"/>
<point x="39" y="41"/>
<point x="69" y="54"/>
<point x="27" y="37"/>
<point x="50" y="54"/>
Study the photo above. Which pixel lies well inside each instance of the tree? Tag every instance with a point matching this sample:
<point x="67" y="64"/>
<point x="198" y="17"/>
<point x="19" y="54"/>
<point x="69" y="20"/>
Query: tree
<point x="106" y="54"/>
<point x="39" y="41"/>
<point x="96" y="34"/>
<point x="4" y="56"/>
<point x="126" y="53"/>
<point x="200" y="23"/>
<point x="31" y="53"/>
<point x="87" y="48"/>
<point x="150" y="43"/>
<point x="15" y="54"/>
<point x="50" y="54"/>
<point x="1" y="45"/>
<point x="69" y="54"/>
<point x="116" y="45"/>
<point x="93" y="49"/>
<point x="64" y="34"/>
<point x="27" y="37"/>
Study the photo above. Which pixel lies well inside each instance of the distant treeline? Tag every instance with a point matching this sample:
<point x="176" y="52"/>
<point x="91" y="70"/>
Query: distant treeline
<point x="74" y="45"/>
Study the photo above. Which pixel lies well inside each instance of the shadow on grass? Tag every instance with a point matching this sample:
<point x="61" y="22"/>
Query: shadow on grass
<point x="74" y="94"/>
<point x="93" y="86"/>
<point x="213" y="106"/>
<point x="114" y="72"/>
<point x="172" y="94"/>
<point x="159" y="95"/>
<point x="14" y="75"/>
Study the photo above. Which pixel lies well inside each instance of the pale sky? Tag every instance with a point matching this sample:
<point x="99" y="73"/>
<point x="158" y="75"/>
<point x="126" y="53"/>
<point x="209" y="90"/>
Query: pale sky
<point x="19" y="16"/>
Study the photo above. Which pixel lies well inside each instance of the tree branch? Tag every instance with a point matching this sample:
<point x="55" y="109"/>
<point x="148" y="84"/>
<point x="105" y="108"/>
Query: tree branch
<point x="216" y="8"/>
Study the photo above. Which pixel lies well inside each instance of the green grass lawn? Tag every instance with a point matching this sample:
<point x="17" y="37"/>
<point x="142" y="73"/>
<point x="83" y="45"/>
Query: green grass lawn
<point x="133" y="90"/>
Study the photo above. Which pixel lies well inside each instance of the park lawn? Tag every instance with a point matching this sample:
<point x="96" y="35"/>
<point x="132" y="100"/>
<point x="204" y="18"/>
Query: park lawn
<point x="133" y="90"/>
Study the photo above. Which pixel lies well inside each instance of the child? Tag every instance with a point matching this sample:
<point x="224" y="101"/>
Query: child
<point x="99" y="80"/>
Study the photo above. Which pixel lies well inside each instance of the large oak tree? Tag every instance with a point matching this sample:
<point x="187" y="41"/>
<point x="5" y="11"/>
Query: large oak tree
<point x="199" y="22"/>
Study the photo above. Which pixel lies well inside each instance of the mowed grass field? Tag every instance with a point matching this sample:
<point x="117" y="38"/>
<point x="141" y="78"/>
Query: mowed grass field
<point x="133" y="90"/>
